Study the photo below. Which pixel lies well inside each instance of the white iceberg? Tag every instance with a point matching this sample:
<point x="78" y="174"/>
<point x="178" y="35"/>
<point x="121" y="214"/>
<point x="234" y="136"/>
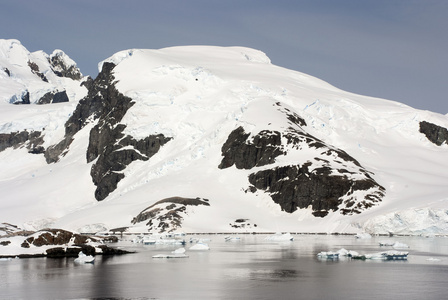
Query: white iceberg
<point x="167" y="241"/>
<point x="178" y="253"/>
<point x="387" y="255"/>
<point x="433" y="259"/>
<point x="382" y="243"/>
<point x="347" y="253"/>
<point x="84" y="259"/>
<point x="394" y="244"/>
<point x="328" y="255"/>
<point x="231" y="238"/>
<point x="200" y="246"/>
<point x="400" y="245"/>
<point x="5" y="259"/>
<point x="279" y="237"/>
<point x="363" y="235"/>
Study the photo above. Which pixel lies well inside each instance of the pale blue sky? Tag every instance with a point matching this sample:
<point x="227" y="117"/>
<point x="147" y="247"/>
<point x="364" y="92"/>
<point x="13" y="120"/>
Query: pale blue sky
<point x="396" y="50"/>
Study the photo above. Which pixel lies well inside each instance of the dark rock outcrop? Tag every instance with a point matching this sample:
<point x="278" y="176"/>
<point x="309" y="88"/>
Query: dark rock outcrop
<point x="243" y="224"/>
<point x="244" y="154"/>
<point x="108" y="145"/>
<point x="35" y="70"/>
<point x="60" y="243"/>
<point x="53" y="97"/>
<point x="324" y="183"/>
<point x="32" y="140"/>
<point x="56" y="237"/>
<point x="6" y="70"/>
<point x="436" y="134"/>
<point x="106" y="172"/>
<point x="66" y="244"/>
<point x="296" y="187"/>
<point x="61" y="69"/>
<point x="166" y="214"/>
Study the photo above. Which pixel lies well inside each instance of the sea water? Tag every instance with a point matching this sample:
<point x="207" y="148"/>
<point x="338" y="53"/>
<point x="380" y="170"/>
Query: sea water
<point x="248" y="268"/>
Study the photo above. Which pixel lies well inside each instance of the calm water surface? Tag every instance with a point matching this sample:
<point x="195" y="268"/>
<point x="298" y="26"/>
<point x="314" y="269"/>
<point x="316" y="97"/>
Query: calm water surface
<point x="251" y="268"/>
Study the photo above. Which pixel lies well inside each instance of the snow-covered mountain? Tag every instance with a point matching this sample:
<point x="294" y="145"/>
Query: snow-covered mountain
<point x="210" y="139"/>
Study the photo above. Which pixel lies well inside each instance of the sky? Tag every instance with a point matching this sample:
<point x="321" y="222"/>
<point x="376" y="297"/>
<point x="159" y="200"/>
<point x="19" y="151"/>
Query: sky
<point x="392" y="49"/>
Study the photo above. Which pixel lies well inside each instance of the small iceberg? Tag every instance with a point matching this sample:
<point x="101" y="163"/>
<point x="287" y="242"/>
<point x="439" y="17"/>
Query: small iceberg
<point x="178" y="253"/>
<point x="433" y="259"/>
<point x="364" y="235"/>
<point x="231" y="238"/>
<point x="387" y="255"/>
<point x="149" y="241"/>
<point x="393" y="255"/>
<point x="328" y="255"/>
<point x="347" y="253"/>
<point x="5" y="259"/>
<point x="394" y="244"/>
<point x="167" y="241"/>
<point x="280" y="237"/>
<point x="200" y="246"/>
<point x="398" y="245"/>
<point x="84" y="259"/>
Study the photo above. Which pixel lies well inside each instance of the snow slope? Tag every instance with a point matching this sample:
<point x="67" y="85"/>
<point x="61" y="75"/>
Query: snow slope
<point x="197" y="95"/>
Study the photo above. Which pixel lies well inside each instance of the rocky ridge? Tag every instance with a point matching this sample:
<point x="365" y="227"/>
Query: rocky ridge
<point x="55" y="243"/>
<point x="331" y="181"/>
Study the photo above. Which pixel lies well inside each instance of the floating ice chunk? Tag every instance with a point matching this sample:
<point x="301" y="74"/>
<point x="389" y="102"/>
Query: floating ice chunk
<point x="232" y="238"/>
<point x="178" y="253"/>
<point x="392" y="254"/>
<point x="170" y="256"/>
<point x="394" y="244"/>
<point x="347" y="253"/>
<point x="433" y="259"/>
<point x="279" y="237"/>
<point x="149" y="241"/>
<point x="363" y="235"/>
<point x="386" y="243"/>
<point x="387" y="255"/>
<point x="200" y="246"/>
<point x="328" y="255"/>
<point x="5" y="259"/>
<point x="400" y="245"/>
<point x="343" y="252"/>
<point x="84" y="259"/>
<point x="164" y="241"/>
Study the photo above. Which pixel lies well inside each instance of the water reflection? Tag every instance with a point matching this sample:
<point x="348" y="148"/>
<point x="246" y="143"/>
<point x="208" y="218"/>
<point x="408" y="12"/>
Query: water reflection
<point x="249" y="269"/>
<point x="275" y="275"/>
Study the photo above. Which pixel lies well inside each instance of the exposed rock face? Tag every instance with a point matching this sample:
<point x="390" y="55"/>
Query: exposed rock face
<point x="35" y="70"/>
<point x="331" y="180"/>
<point x="6" y="70"/>
<point x="113" y="150"/>
<point x="101" y="95"/>
<point x="67" y="244"/>
<point x="32" y="140"/>
<point x="116" y="155"/>
<point x="242" y="223"/>
<point x="295" y="187"/>
<point x="61" y="68"/>
<point x="166" y="215"/>
<point x="262" y="150"/>
<point x="53" y="97"/>
<point x="436" y="134"/>
<point x="56" y="237"/>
